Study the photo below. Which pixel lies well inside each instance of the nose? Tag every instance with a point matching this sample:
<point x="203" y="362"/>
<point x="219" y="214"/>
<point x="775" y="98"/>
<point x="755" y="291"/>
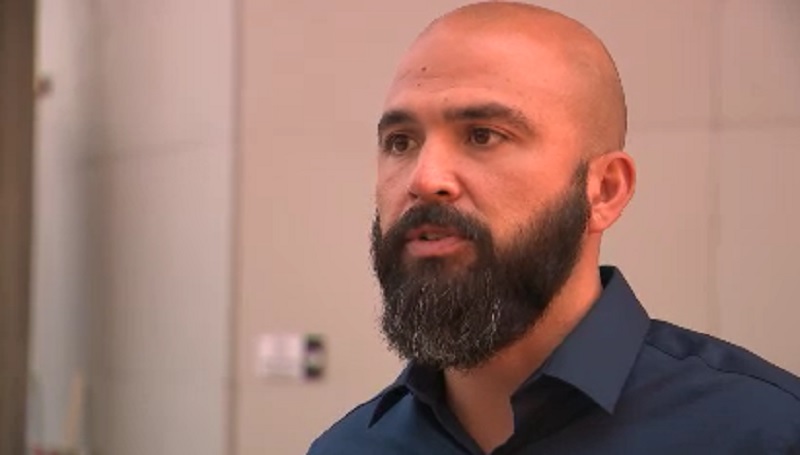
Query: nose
<point x="434" y="177"/>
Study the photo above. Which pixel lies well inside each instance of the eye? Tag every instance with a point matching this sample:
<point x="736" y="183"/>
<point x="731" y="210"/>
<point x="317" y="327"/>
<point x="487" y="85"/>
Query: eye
<point x="484" y="136"/>
<point x="398" y="144"/>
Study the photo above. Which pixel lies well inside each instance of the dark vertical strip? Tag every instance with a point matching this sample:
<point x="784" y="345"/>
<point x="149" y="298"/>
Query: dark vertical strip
<point x="16" y="159"/>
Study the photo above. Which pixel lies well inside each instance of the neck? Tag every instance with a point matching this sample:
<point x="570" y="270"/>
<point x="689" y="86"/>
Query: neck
<point x="480" y="397"/>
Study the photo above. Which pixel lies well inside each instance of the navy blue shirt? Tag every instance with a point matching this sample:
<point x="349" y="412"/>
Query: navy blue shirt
<point x="620" y="383"/>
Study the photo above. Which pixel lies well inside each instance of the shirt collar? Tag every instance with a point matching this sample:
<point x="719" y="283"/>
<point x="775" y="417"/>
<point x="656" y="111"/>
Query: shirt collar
<point x="599" y="353"/>
<point x="596" y="357"/>
<point x="427" y="385"/>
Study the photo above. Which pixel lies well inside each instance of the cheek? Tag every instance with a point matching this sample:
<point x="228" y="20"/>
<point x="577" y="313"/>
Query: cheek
<point x="509" y="203"/>
<point x="502" y="195"/>
<point x="389" y="199"/>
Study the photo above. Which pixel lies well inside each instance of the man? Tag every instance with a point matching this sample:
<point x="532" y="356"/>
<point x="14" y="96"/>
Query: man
<point x="501" y="164"/>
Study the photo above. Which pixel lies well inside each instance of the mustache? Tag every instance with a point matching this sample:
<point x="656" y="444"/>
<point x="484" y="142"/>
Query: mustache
<point x="447" y="216"/>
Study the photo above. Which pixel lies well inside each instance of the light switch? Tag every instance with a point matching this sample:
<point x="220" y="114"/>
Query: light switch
<point x="293" y="356"/>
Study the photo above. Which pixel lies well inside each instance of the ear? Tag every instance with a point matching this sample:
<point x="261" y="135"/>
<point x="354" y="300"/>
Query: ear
<point x="610" y="186"/>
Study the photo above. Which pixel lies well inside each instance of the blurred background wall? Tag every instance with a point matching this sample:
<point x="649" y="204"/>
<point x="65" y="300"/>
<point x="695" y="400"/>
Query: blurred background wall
<point x="133" y="225"/>
<point x="205" y="176"/>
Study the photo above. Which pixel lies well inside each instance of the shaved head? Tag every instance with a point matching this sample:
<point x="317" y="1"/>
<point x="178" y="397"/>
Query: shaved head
<point x="589" y="82"/>
<point x="500" y="164"/>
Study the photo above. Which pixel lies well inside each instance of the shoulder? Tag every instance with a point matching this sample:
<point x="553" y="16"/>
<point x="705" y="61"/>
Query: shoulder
<point x="719" y="358"/>
<point x="347" y="431"/>
<point x="726" y="383"/>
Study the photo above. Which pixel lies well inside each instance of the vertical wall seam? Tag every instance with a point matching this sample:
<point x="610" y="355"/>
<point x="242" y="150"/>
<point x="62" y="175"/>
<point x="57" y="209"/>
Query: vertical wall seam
<point x="235" y="291"/>
<point x="714" y="197"/>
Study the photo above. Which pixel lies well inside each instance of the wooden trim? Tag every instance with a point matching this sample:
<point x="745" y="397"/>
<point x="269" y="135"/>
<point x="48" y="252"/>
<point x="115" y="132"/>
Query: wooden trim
<point x="16" y="161"/>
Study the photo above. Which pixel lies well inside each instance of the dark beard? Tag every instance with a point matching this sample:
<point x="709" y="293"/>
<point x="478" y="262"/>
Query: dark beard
<point x="461" y="318"/>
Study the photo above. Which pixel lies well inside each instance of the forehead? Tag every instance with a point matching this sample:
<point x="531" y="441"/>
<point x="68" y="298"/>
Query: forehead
<point x="449" y="68"/>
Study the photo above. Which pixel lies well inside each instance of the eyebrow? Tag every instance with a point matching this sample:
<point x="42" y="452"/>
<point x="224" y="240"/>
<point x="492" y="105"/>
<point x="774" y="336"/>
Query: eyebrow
<point x="490" y="111"/>
<point x="483" y="111"/>
<point x="395" y="117"/>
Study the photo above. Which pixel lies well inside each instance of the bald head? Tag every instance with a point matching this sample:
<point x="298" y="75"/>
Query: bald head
<point x="549" y="49"/>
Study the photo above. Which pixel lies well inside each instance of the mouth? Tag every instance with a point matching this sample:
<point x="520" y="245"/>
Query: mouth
<point x="432" y="241"/>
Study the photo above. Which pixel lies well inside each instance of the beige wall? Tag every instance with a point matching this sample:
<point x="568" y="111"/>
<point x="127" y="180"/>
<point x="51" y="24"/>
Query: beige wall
<point x="757" y="157"/>
<point x="161" y="213"/>
<point x="714" y="93"/>
<point x="133" y="239"/>
<point x="65" y="136"/>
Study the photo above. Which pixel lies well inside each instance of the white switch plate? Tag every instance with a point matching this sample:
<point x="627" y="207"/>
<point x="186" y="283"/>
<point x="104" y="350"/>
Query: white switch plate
<point x="281" y="355"/>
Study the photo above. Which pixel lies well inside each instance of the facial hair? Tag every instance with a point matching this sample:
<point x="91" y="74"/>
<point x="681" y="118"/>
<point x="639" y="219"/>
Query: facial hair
<point x="443" y="316"/>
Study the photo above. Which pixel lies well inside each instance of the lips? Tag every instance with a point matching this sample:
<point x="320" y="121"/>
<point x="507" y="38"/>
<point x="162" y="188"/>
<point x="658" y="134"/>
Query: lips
<point x="431" y="232"/>
<point x="431" y="240"/>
